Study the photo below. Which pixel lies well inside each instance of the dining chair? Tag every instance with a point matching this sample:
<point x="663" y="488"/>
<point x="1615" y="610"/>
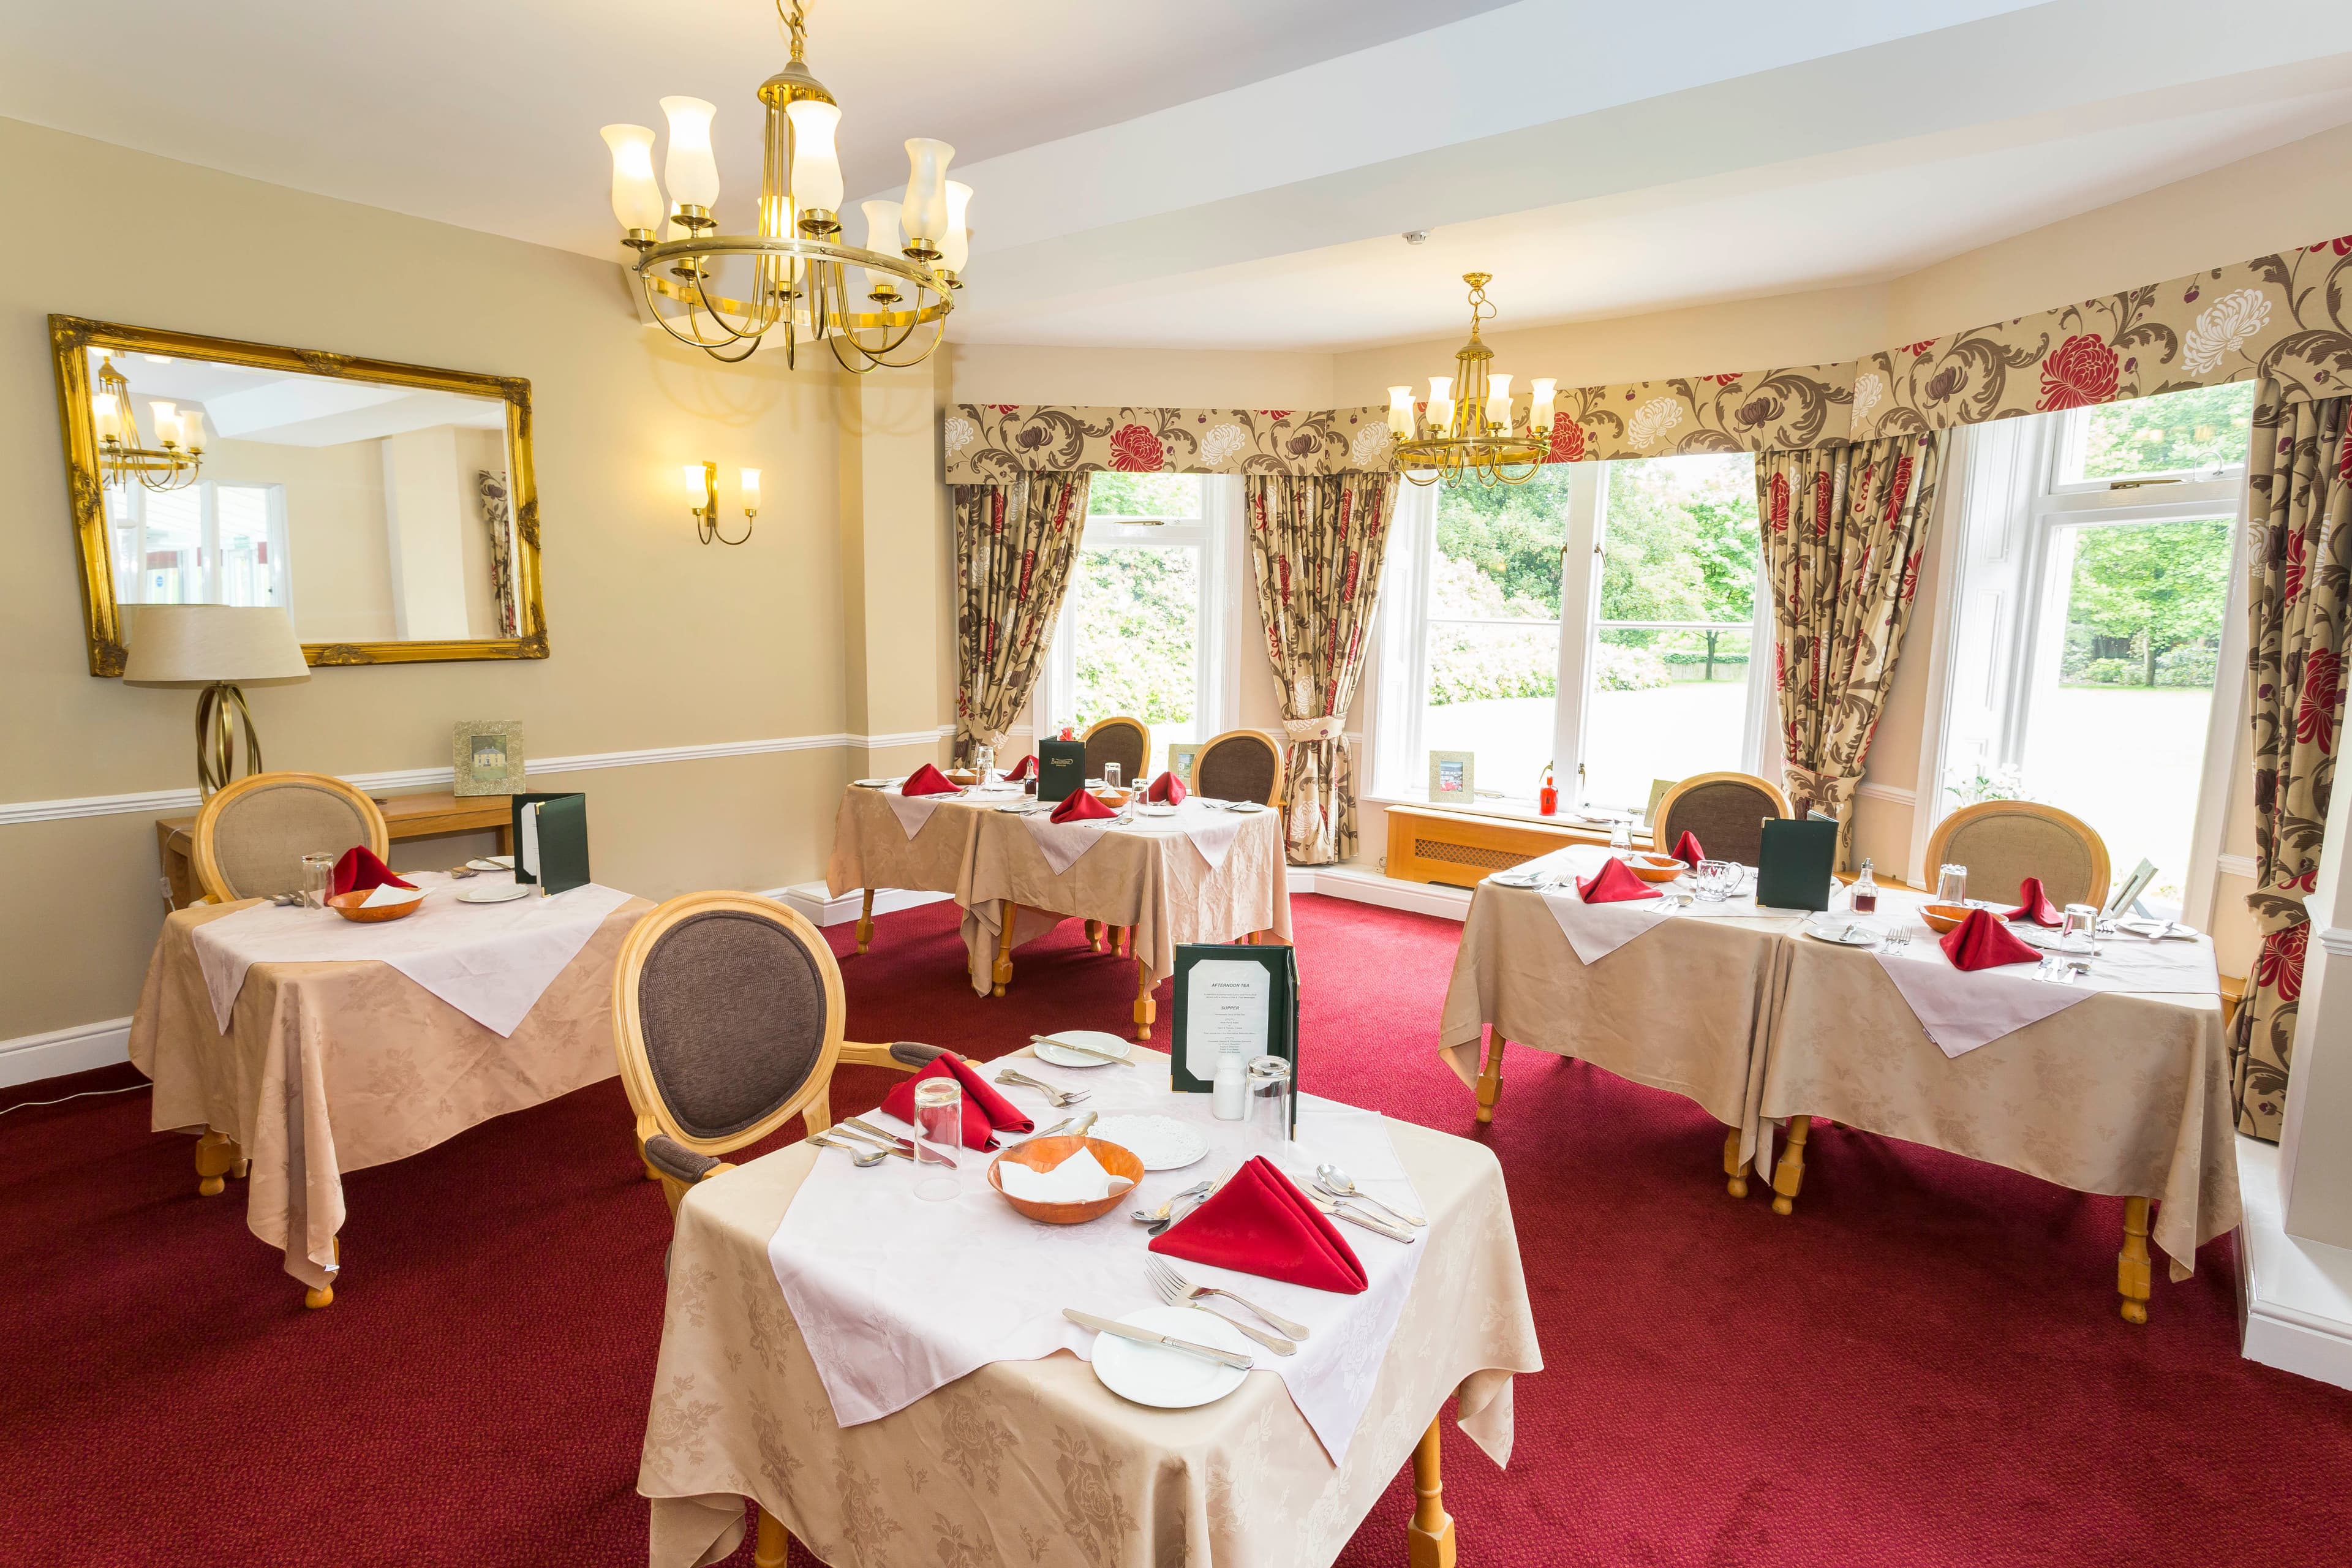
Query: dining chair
<point x="1121" y="740"/>
<point x="1727" y="811"/>
<point x="250" y="836"/>
<point x="728" y="1016"/>
<point x="2002" y="842"/>
<point x="1239" y="764"/>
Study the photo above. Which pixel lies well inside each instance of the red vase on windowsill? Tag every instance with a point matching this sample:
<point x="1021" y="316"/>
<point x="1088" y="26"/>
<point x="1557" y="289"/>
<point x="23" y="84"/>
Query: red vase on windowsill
<point x="1548" y="796"/>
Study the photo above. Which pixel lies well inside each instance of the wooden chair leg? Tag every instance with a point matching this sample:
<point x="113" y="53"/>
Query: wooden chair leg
<point x="865" y="922"/>
<point x="768" y="1550"/>
<point x="2132" y="1263"/>
<point x="1429" y="1538"/>
<point x="325" y="1295"/>
<point x="1736" y="1185"/>
<point x="1789" y="1174"/>
<point x="217" y="1155"/>
<point x="1490" y="1078"/>
<point x="1146" y="1010"/>
<point x="1095" y="935"/>
<point x="1004" y="975"/>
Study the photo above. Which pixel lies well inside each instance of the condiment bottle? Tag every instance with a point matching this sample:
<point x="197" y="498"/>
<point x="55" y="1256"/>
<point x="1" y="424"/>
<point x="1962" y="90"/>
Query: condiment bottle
<point x="1862" y="897"/>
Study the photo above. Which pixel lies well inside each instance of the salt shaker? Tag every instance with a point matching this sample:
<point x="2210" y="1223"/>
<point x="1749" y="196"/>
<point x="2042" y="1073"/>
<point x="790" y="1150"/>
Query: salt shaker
<point x="1229" y="1087"/>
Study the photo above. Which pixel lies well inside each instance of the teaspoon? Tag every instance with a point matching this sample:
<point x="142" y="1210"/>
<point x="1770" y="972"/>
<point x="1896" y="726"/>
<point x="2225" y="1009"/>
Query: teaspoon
<point x="1339" y="1184"/>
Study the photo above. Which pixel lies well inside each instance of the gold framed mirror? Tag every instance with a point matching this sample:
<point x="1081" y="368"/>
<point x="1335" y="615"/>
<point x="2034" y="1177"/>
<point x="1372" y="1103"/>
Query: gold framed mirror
<point x="389" y="509"/>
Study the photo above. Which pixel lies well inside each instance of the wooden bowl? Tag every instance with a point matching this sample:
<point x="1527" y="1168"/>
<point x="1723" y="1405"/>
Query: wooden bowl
<point x="1947" y="917"/>
<point x="1114" y="797"/>
<point x="1046" y="1154"/>
<point x="963" y="776"/>
<point x="348" y="906"/>
<point x="1655" y="867"/>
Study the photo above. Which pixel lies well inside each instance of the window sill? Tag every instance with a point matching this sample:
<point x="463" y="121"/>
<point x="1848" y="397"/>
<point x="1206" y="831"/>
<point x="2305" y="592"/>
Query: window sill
<point x="1507" y="809"/>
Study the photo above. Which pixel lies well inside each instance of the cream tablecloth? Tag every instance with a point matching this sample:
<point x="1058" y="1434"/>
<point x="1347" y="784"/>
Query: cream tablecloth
<point x="329" y="1068"/>
<point x="1035" y="1462"/>
<point x="871" y="850"/>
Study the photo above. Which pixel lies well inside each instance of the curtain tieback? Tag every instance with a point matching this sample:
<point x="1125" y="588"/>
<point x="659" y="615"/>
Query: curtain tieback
<point x="1302" y="731"/>
<point x="1825" y="791"/>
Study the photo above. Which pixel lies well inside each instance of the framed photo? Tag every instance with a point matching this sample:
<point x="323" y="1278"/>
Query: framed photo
<point x="487" y="756"/>
<point x="1451" y="780"/>
<point x="2128" y="891"/>
<point x="1658" y="788"/>
<point x="1180" y="755"/>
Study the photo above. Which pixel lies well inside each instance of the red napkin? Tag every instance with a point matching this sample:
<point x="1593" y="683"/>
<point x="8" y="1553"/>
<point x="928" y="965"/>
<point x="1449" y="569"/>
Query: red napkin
<point x="1614" y="883"/>
<point x="985" y="1112"/>
<point x="1080" y="806"/>
<point x="1982" y="942"/>
<point x="2033" y="904"/>
<point x="359" y="870"/>
<point x="1260" y="1224"/>
<point x="927" y="780"/>
<point x="1167" y="788"/>
<point x="1687" y="850"/>
<point x="1024" y="769"/>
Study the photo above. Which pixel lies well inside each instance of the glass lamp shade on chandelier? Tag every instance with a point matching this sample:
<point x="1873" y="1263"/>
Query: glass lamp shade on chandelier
<point x="169" y="465"/>
<point x="1468" y="430"/>
<point x="886" y="304"/>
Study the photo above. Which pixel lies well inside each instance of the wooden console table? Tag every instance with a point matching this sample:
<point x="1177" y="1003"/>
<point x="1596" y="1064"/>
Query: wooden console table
<point x="1460" y="848"/>
<point x="404" y="816"/>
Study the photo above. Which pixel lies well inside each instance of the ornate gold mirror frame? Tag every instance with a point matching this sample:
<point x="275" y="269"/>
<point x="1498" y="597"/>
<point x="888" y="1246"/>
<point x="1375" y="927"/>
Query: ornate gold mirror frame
<point x="70" y="337"/>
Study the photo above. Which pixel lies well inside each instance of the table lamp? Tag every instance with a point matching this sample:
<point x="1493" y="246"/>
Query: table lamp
<point x="219" y="647"/>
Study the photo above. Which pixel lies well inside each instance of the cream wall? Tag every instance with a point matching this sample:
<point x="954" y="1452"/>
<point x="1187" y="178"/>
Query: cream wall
<point x="340" y="582"/>
<point x="657" y="641"/>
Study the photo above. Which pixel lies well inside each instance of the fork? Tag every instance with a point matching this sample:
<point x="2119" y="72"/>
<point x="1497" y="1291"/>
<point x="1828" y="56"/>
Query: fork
<point x="1165" y="1278"/>
<point x="1176" y="1294"/>
<point x="1057" y="1098"/>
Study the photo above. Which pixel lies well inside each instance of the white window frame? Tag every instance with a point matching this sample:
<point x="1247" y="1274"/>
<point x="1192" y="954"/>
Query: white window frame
<point x="208" y="551"/>
<point x="2012" y="516"/>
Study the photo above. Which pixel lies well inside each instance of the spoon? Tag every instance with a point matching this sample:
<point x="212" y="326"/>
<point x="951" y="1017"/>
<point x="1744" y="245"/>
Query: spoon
<point x="1195" y="1190"/>
<point x="859" y="1155"/>
<point x="1336" y="1182"/>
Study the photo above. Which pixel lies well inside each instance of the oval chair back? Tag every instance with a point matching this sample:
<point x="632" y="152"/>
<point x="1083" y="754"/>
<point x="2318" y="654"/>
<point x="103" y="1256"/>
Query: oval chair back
<point x="250" y="837"/>
<point x="2002" y="842"/>
<point x="1124" y="740"/>
<point x="1725" y="811"/>
<point x="1239" y="764"/>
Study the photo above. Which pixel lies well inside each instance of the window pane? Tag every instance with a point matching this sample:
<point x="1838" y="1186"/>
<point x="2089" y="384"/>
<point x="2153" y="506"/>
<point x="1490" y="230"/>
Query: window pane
<point x="1136" y="613"/>
<point x="172" y="570"/>
<point x="1163" y="496"/>
<point x="1493" y="631"/>
<point x="2204" y="428"/>
<point x="1666" y="690"/>
<point x="249" y="577"/>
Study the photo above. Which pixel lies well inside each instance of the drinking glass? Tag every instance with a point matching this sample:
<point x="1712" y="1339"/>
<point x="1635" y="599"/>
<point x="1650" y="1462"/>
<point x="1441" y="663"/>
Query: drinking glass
<point x="1268" y="1121"/>
<point x="1110" y="775"/>
<point x="1715" y="880"/>
<point x="318" y="880"/>
<point x="939" y="1137"/>
<point x="1620" y="838"/>
<point x="984" y="764"/>
<point x="1952" y="885"/>
<point x="2079" y="934"/>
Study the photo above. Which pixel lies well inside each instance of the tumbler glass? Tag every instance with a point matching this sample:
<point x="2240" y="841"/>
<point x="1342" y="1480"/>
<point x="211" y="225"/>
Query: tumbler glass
<point x="939" y="1136"/>
<point x="2079" y="934"/>
<point x="318" y="880"/>
<point x="1111" y="775"/>
<point x="1269" y="1130"/>
<point x="984" y="764"/>
<point x="1715" y="880"/>
<point x="1952" y="885"/>
<point x="1620" y="838"/>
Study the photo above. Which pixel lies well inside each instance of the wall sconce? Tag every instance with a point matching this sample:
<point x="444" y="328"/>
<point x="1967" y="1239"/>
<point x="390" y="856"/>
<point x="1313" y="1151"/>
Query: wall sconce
<point x="702" y="496"/>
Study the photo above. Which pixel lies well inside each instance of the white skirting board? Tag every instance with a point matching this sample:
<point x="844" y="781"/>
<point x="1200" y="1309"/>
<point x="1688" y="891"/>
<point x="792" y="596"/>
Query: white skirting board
<point x="30" y="1057"/>
<point x="2295" y="1296"/>
<point x="1364" y="884"/>
<point x="821" y="908"/>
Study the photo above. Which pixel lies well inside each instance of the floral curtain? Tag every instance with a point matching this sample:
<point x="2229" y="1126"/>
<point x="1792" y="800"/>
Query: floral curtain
<point x="1844" y="529"/>
<point x="1015" y="546"/>
<point x="2299" y="601"/>
<point x="1317" y="545"/>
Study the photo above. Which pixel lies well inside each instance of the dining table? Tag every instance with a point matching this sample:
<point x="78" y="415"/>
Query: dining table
<point x="895" y="1382"/>
<point x="884" y="839"/>
<point x="301" y="1046"/>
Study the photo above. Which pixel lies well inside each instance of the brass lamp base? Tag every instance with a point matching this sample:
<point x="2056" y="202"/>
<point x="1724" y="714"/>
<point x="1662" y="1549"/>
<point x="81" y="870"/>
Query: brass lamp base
<point x="219" y="707"/>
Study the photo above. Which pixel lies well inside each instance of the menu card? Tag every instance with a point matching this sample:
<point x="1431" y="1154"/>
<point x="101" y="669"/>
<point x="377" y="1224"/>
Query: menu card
<point x="1233" y="994"/>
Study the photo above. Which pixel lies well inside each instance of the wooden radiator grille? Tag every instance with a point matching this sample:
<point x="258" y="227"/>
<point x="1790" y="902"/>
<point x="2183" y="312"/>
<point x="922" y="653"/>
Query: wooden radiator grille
<point x="1467" y="855"/>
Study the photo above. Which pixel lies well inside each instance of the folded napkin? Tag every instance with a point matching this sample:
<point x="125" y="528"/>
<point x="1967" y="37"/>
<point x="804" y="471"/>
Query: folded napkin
<point x="985" y="1112"/>
<point x="1080" y="1179"/>
<point x="359" y="870"/>
<point x="1258" y="1222"/>
<point x="1614" y="883"/>
<point x="927" y="780"/>
<point x="384" y="893"/>
<point x="1168" y="789"/>
<point x="1982" y="942"/>
<point x="1027" y="768"/>
<point x="1080" y="806"/>
<point x="2033" y="904"/>
<point x="1687" y="850"/>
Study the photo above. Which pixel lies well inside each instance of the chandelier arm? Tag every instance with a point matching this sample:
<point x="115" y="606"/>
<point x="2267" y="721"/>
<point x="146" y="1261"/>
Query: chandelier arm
<point x="702" y="291"/>
<point x="667" y="322"/>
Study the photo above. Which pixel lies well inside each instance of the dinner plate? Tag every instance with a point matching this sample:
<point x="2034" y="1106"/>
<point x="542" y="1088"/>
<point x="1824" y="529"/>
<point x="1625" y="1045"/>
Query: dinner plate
<point x="1514" y="879"/>
<point x="496" y="893"/>
<point x="871" y="783"/>
<point x="1245" y="806"/>
<point x="491" y="863"/>
<point x="1113" y="1044"/>
<point x="1161" y="1142"/>
<point x="1166" y="1379"/>
<point x="1836" y="932"/>
<point x="1155" y="809"/>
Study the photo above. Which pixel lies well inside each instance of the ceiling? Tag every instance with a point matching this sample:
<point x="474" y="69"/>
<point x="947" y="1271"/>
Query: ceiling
<point x="1237" y="172"/>
<point x="282" y="408"/>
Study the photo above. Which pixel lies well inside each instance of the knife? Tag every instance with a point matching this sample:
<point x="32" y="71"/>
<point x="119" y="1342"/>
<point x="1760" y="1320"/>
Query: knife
<point x="1337" y="1211"/>
<point x="1233" y="1359"/>
<point x="894" y="1142"/>
<point x="1082" y="1050"/>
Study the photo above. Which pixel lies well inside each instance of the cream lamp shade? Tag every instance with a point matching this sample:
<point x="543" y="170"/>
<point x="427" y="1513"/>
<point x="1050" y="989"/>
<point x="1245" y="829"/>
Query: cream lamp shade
<point x="198" y="645"/>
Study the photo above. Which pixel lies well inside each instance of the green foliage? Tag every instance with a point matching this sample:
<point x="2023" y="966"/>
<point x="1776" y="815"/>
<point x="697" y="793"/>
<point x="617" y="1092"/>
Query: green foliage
<point x="1509" y="535"/>
<point x="1163" y="496"/>
<point x="2158" y="587"/>
<point x="1681" y="539"/>
<point x="2205" y="427"/>
<point x="1137" y="610"/>
<point x="1470" y="664"/>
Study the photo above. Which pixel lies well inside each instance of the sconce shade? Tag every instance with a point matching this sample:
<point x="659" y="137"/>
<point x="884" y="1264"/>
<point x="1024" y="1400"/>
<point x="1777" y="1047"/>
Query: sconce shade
<point x="816" y="167"/>
<point x="882" y="220"/>
<point x="926" y="207"/>
<point x="691" y="168"/>
<point x="956" y="248"/>
<point x="197" y="645"/>
<point x="637" y="200"/>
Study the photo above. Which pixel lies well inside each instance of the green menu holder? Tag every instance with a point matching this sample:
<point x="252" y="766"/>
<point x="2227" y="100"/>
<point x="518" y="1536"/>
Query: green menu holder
<point x="1195" y="1022"/>
<point x="1061" y="768"/>
<point x="1793" y="868"/>
<point x="560" y="834"/>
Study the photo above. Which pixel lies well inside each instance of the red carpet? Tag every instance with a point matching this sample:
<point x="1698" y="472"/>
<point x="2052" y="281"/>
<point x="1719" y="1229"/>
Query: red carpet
<point x="1924" y="1366"/>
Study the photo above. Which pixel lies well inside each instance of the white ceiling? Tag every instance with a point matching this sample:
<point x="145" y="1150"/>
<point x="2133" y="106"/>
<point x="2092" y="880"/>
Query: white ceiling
<point x="1235" y="172"/>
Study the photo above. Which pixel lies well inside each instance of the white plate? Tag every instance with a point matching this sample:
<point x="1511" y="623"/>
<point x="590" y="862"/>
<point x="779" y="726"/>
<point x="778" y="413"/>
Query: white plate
<point x="1512" y="880"/>
<point x="1155" y="809"/>
<point x="1245" y="806"/>
<point x="1161" y="1142"/>
<point x="496" y="893"/>
<point x="1833" y="932"/>
<point x="1113" y="1044"/>
<point x="1020" y="807"/>
<point x="491" y="863"/>
<point x="1166" y="1379"/>
<point x="871" y="783"/>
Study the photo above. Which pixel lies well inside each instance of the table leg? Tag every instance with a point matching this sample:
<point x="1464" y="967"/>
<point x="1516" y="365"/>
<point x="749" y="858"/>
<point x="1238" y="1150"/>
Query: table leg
<point x="1790" y="1173"/>
<point x="1429" y="1538"/>
<point x="1490" y="1080"/>
<point x="1095" y="935"/>
<point x="2132" y="1263"/>
<point x="865" y="933"/>
<point x="217" y="1155"/>
<point x="1737" y="1173"/>
<point x="1004" y="975"/>
<point x="767" y="1551"/>
<point x="325" y="1295"/>
<point x="1146" y="1010"/>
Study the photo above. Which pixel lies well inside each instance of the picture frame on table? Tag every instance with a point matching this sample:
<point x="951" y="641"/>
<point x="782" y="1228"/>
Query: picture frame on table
<point x="1453" y="778"/>
<point x="1182" y="754"/>
<point x="486" y="755"/>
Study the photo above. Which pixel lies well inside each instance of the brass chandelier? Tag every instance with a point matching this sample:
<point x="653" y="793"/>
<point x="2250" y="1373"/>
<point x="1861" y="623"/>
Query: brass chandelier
<point x="726" y="292"/>
<point x="179" y="450"/>
<point x="1467" y="431"/>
